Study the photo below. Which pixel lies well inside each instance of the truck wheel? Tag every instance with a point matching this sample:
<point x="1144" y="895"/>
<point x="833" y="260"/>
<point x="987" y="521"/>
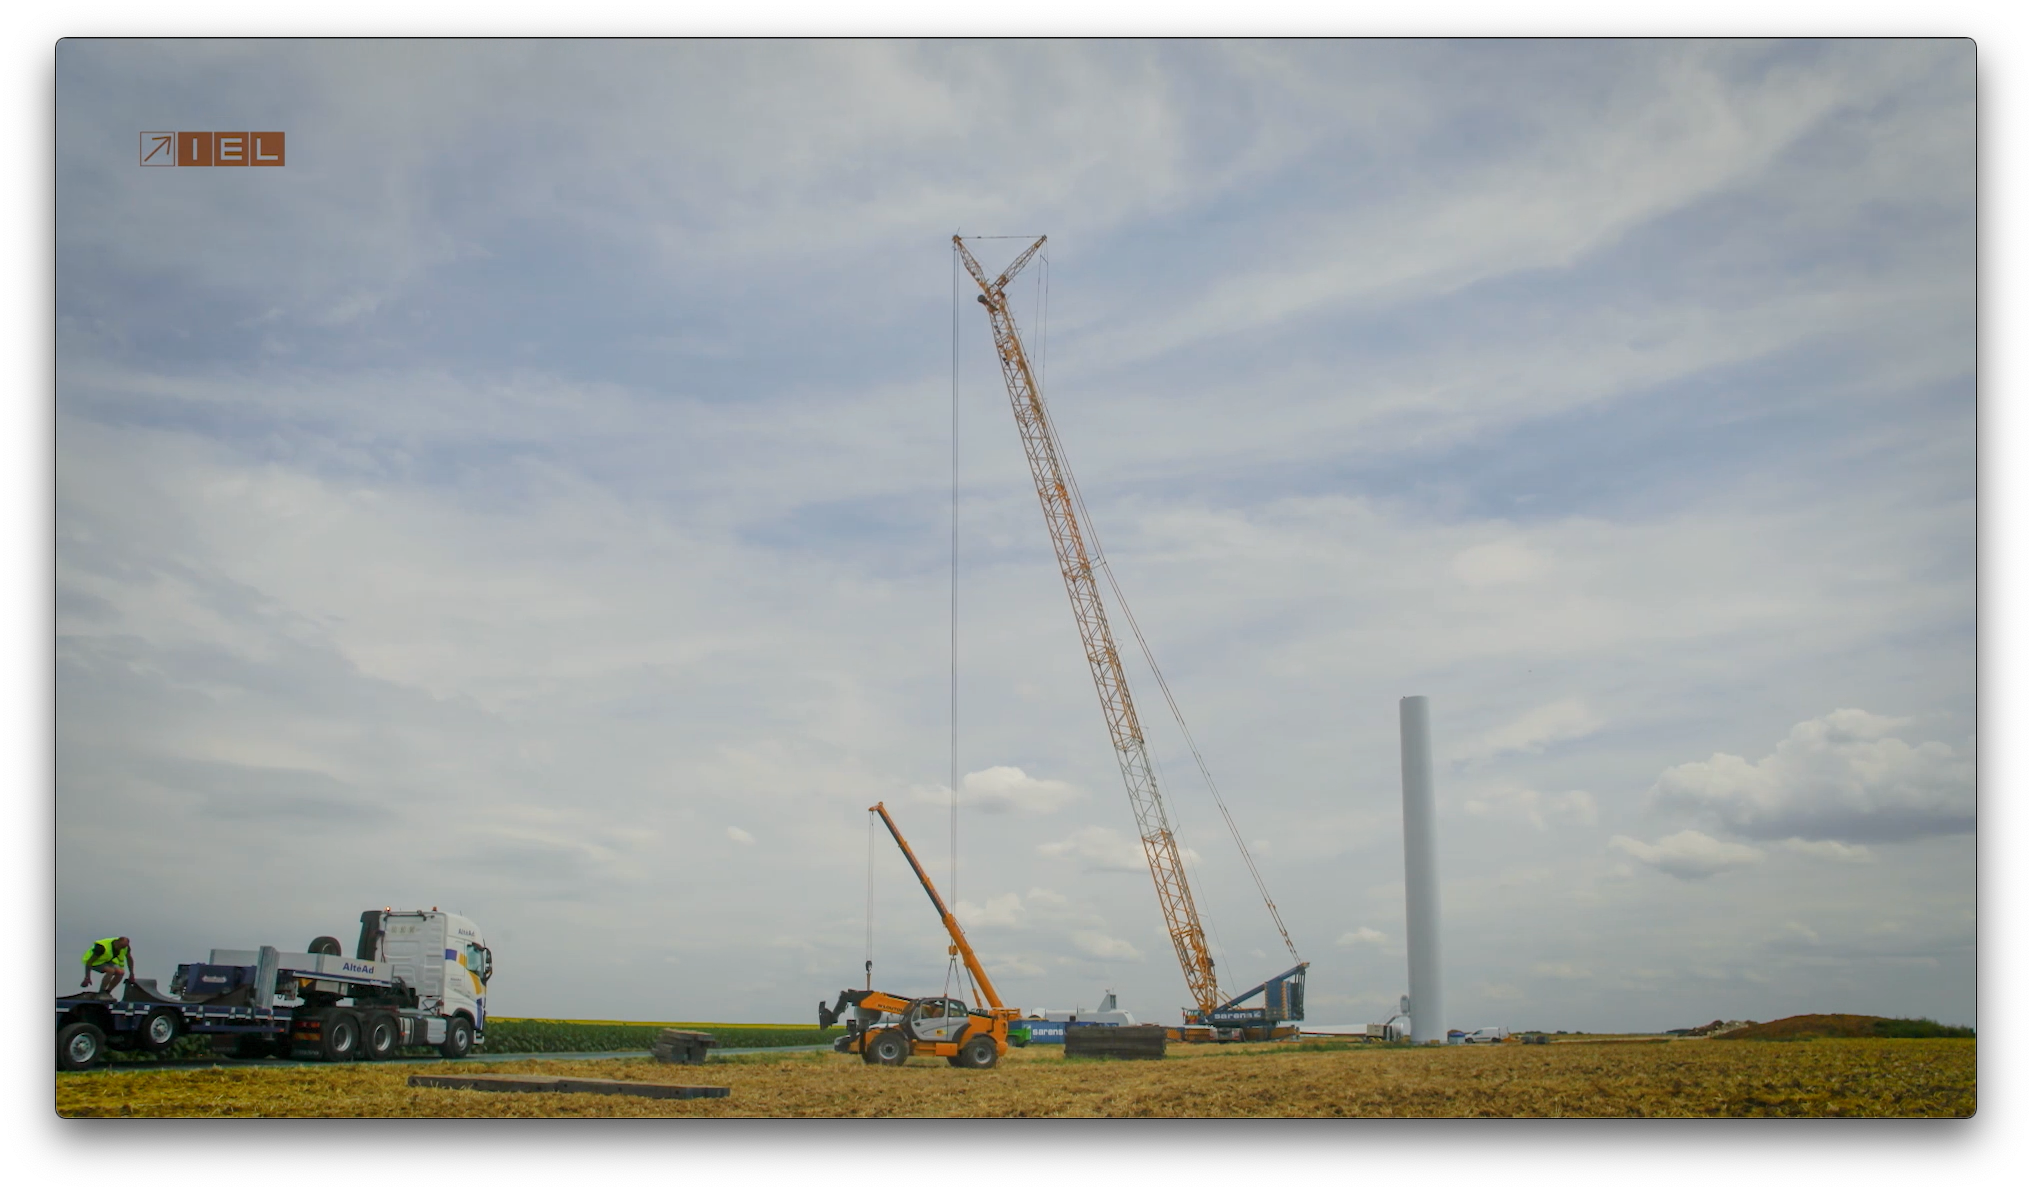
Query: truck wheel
<point x="458" y="1039"/>
<point x="339" y="1035"/>
<point x="79" y="1046"/>
<point x="158" y="1030"/>
<point x="889" y="1048"/>
<point x="977" y="1052"/>
<point x="379" y="1036"/>
<point x="326" y="946"/>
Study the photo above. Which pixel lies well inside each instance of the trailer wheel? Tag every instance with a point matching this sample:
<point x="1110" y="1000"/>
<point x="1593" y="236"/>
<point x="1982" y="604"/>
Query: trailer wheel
<point x="889" y="1048"/>
<point x="325" y="945"/>
<point x="458" y="1039"/>
<point x="159" y="1030"/>
<point x="379" y="1037"/>
<point x="79" y="1046"/>
<point x="339" y="1035"/>
<point x="977" y="1052"/>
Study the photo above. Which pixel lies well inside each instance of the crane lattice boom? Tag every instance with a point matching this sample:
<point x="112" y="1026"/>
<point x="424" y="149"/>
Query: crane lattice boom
<point x="1054" y="492"/>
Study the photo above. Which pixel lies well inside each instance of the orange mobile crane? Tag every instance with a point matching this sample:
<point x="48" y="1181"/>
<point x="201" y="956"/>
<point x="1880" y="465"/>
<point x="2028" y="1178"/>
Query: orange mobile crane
<point x="939" y="1026"/>
<point x="1212" y="1015"/>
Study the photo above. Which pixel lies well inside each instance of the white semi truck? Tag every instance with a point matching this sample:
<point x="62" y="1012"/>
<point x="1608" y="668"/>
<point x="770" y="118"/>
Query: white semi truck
<point x="416" y="978"/>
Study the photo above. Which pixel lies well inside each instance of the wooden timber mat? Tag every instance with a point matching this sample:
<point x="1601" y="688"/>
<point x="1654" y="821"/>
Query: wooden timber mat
<point x="488" y="1083"/>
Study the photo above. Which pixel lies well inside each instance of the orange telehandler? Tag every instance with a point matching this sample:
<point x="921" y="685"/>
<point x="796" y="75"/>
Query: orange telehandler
<point x="941" y="1026"/>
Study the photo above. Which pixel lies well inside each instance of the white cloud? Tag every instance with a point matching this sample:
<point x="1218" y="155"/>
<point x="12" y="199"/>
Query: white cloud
<point x="1000" y="965"/>
<point x="1492" y="563"/>
<point x="1840" y="777"/>
<point x="1563" y="720"/>
<point x="1832" y="850"/>
<point x="1559" y="970"/>
<point x="1003" y="910"/>
<point x="1689" y="854"/>
<point x="1105" y="848"/>
<point x="1000" y="789"/>
<point x="1048" y="902"/>
<point x="1102" y="946"/>
<point x="1533" y="806"/>
<point x="1361" y="935"/>
<point x="739" y="835"/>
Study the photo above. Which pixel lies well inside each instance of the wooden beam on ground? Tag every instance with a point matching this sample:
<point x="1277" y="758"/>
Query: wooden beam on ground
<point x="490" y="1083"/>
<point x="1115" y="1042"/>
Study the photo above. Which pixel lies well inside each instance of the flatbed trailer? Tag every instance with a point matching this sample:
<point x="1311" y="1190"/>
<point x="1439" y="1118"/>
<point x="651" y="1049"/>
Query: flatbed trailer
<point x="419" y="981"/>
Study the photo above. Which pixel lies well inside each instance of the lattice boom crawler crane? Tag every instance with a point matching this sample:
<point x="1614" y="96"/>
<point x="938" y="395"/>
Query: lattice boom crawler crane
<point x="1213" y="1014"/>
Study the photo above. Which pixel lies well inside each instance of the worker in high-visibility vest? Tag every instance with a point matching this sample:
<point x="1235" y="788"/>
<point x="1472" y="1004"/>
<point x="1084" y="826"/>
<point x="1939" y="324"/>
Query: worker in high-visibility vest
<point x="114" y="957"/>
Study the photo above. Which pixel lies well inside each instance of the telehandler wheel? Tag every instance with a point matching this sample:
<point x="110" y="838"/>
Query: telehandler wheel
<point x="977" y="1052"/>
<point x="79" y="1046"/>
<point x="889" y="1048"/>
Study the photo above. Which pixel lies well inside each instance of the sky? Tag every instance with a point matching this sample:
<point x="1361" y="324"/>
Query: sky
<point x="536" y="500"/>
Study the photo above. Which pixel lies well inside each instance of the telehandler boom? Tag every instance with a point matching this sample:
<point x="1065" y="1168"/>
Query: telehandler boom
<point x="936" y="1026"/>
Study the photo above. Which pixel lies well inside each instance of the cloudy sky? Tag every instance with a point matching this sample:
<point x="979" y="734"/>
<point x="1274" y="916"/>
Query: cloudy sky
<point x="535" y="500"/>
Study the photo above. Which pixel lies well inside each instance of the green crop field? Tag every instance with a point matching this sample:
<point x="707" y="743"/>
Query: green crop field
<point x="516" y="1036"/>
<point x="510" y="1036"/>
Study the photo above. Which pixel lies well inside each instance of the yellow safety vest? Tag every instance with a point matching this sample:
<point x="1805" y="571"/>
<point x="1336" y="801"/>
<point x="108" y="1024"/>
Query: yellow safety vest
<point x="104" y="952"/>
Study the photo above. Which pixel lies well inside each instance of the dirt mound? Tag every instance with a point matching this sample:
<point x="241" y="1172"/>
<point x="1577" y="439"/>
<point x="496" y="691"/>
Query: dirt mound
<point x="1810" y="1026"/>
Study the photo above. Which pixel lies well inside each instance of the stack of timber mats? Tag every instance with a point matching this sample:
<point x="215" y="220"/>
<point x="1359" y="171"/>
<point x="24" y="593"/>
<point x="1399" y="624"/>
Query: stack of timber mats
<point x="682" y="1047"/>
<point x="1115" y="1042"/>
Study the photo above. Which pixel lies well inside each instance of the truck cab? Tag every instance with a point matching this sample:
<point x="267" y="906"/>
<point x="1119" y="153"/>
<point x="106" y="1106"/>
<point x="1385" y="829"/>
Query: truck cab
<point x="440" y="955"/>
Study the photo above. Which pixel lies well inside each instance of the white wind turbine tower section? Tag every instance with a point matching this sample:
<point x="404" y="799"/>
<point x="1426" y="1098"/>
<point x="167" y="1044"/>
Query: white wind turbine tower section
<point x="1421" y="872"/>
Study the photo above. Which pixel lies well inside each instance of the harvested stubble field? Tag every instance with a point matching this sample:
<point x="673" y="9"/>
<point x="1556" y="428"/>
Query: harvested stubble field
<point x="1703" y="1078"/>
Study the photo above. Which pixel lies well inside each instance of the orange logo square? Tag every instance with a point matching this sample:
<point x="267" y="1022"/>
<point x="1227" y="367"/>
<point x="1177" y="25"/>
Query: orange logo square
<point x="194" y="148"/>
<point x="229" y="148"/>
<point x="158" y="148"/>
<point x="266" y="149"/>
